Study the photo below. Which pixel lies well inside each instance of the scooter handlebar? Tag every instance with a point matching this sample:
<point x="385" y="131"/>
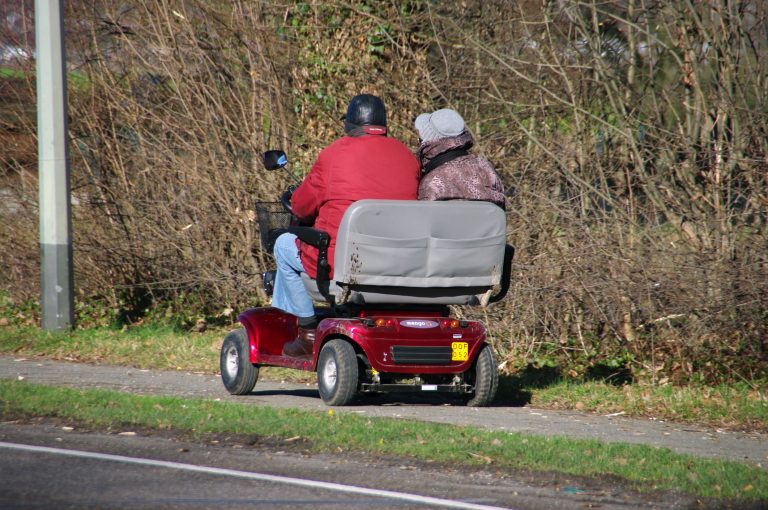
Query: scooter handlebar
<point x="285" y="198"/>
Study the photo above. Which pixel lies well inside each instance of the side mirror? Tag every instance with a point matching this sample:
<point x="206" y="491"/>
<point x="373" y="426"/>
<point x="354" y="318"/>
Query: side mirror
<point x="275" y="159"/>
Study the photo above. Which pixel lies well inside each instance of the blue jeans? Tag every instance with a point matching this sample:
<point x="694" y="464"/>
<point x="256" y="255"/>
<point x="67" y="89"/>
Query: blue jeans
<point x="290" y="295"/>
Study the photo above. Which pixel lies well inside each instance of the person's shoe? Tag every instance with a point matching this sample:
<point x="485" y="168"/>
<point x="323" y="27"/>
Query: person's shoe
<point x="302" y="346"/>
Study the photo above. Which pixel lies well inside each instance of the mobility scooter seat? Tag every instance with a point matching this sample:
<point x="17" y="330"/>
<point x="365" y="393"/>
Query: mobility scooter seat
<point x="417" y="252"/>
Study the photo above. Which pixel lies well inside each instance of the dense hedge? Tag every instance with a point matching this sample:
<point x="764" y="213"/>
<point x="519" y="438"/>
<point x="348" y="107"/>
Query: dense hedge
<point x="633" y="138"/>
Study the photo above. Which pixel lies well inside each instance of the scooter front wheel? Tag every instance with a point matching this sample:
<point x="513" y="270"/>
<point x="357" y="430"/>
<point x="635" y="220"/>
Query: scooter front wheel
<point x="238" y="374"/>
<point x="337" y="373"/>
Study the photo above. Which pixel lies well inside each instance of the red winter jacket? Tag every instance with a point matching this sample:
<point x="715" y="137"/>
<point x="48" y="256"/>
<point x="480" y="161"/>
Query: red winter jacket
<point x="351" y="169"/>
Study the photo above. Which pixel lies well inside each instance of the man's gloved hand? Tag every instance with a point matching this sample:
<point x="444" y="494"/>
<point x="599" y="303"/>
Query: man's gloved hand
<point x="285" y="197"/>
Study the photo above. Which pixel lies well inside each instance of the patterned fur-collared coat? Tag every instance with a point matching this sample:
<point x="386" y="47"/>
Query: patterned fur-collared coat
<point x="470" y="177"/>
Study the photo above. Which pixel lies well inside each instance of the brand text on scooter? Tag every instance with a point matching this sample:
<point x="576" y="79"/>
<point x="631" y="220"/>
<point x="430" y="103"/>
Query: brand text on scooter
<point x="421" y="324"/>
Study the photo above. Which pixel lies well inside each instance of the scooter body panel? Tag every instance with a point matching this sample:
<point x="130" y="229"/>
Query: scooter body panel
<point x="269" y="329"/>
<point x="401" y="342"/>
<point x="412" y="344"/>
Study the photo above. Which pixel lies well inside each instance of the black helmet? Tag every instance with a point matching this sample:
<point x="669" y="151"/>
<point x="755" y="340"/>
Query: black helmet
<point x="366" y="110"/>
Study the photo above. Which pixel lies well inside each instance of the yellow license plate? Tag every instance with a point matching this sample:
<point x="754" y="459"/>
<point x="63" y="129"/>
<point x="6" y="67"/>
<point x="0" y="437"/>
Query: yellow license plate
<point x="459" y="351"/>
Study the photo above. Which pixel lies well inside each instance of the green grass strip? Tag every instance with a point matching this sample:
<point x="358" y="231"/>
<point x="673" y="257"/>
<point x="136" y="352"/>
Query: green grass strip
<point x="7" y="72"/>
<point x="735" y="405"/>
<point x="161" y="347"/>
<point x="76" y="79"/>
<point x="643" y="466"/>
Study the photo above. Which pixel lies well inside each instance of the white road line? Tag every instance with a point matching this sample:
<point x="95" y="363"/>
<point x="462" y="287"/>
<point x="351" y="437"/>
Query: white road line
<point x="403" y="496"/>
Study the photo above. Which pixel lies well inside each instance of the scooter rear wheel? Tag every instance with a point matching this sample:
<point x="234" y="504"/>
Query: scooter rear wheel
<point x="485" y="376"/>
<point x="238" y="374"/>
<point x="337" y="373"/>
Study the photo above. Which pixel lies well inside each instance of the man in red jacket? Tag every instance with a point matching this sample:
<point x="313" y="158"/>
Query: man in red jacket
<point x="363" y="164"/>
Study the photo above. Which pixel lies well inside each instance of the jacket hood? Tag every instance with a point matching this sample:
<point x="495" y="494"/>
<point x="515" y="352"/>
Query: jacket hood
<point x="429" y="150"/>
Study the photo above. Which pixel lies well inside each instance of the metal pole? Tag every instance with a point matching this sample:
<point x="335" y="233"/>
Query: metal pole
<point x="56" y="281"/>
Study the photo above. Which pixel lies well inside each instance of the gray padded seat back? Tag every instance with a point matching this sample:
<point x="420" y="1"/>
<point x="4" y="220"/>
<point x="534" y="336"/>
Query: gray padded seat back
<point x="408" y="251"/>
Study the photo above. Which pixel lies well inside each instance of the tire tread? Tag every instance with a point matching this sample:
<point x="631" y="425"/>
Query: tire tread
<point x="486" y="377"/>
<point x="346" y="373"/>
<point x="248" y="373"/>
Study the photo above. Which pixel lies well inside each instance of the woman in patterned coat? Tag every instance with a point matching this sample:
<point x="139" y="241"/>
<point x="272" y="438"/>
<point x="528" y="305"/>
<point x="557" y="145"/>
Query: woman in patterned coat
<point x="449" y="171"/>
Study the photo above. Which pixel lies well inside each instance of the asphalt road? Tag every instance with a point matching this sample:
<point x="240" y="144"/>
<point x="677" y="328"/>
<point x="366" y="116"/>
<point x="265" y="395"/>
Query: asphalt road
<point x="73" y="469"/>
<point x="737" y="446"/>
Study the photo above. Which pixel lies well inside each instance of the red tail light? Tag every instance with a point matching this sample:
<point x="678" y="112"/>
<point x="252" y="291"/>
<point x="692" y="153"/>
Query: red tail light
<point x="379" y="322"/>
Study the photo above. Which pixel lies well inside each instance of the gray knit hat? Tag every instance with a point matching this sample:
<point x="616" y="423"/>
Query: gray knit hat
<point x="440" y="124"/>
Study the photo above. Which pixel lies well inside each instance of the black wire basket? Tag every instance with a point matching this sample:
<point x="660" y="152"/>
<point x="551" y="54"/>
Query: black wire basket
<point x="273" y="220"/>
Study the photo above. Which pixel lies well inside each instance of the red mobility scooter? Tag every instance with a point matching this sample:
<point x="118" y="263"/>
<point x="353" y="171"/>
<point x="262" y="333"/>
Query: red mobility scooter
<point x="386" y="325"/>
